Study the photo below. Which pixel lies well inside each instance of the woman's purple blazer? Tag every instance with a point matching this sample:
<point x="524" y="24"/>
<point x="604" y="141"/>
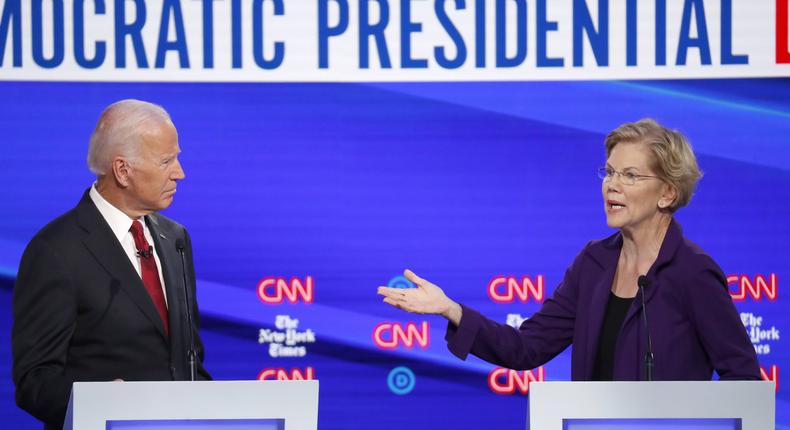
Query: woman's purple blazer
<point x="694" y="325"/>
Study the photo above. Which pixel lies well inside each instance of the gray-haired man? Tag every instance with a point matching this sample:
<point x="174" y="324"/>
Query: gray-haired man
<point x="99" y="295"/>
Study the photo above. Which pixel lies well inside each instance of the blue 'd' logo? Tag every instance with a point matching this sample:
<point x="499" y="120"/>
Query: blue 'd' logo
<point x="400" y="281"/>
<point x="401" y="380"/>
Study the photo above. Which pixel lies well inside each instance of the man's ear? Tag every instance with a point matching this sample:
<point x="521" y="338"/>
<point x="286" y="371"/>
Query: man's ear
<point x="668" y="196"/>
<point x="121" y="171"/>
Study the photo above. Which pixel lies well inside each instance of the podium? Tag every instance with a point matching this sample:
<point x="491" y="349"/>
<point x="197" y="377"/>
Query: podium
<point x="679" y="405"/>
<point x="200" y="405"/>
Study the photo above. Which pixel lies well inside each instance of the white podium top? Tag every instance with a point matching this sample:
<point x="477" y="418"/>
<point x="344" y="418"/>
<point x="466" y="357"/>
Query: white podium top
<point x="753" y="402"/>
<point x="92" y="404"/>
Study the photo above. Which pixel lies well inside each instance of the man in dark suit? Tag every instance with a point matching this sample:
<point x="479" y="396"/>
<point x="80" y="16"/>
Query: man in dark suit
<point x="100" y="292"/>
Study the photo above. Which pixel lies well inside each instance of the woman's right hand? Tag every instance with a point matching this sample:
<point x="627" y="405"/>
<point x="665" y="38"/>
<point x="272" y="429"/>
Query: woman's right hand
<point x="426" y="298"/>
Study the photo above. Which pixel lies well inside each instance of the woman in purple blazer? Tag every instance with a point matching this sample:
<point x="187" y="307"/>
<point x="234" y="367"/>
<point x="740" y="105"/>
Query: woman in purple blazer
<point x="693" y="327"/>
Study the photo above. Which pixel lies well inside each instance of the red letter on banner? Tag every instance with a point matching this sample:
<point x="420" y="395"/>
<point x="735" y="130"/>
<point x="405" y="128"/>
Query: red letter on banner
<point x="773" y="376"/>
<point x="782" y="50"/>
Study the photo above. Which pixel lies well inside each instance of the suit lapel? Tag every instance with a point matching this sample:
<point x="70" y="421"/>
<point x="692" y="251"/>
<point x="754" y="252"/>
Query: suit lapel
<point x="164" y="244"/>
<point x="606" y="256"/>
<point x="106" y="249"/>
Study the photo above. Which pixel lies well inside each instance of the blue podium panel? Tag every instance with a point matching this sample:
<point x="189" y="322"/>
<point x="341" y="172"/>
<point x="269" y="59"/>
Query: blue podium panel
<point x="193" y="405"/>
<point x="656" y="405"/>
<point x="251" y="424"/>
<point x="652" y="424"/>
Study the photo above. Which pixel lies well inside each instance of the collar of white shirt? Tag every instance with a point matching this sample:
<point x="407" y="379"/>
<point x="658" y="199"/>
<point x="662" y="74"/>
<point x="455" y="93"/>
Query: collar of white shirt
<point x="119" y="222"/>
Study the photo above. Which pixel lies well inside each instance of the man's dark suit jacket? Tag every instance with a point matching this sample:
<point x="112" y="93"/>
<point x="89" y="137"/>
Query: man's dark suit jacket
<point x="81" y="312"/>
<point x="694" y="325"/>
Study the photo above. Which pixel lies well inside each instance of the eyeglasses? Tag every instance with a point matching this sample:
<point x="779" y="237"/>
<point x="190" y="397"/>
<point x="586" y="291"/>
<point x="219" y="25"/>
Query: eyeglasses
<point x="627" y="178"/>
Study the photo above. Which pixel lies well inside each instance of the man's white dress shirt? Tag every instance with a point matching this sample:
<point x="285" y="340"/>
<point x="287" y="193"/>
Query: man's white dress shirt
<point x="120" y="223"/>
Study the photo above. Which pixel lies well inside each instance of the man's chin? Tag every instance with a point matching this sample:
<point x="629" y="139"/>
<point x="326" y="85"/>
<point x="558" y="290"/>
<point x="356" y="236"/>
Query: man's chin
<point x="164" y="203"/>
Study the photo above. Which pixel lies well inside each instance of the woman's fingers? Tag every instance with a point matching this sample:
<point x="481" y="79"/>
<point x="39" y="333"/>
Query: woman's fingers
<point x="390" y="292"/>
<point x="427" y="298"/>
<point x="408" y="299"/>
<point x="390" y="301"/>
<point x="399" y="299"/>
<point x="400" y="304"/>
<point x="411" y="276"/>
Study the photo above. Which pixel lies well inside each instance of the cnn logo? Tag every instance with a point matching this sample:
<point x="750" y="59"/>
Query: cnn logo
<point x="509" y="381"/>
<point x="279" y="374"/>
<point x="506" y="289"/>
<point x="392" y="335"/>
<point x="276" y="290"/>
<point x="741" y="287"/>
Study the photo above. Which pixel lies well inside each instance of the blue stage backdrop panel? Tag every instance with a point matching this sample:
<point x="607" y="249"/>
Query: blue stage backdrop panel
<point x="301" y="199"/>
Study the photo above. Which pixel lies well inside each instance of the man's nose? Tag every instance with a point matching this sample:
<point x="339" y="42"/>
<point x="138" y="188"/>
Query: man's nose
<point x="178" y="172"/>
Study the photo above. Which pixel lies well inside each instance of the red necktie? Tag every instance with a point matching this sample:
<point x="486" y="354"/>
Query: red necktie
<point x="149" y="272"/>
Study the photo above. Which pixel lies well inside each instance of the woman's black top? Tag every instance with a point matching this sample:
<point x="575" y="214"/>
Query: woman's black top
<point x="616" y="310"/>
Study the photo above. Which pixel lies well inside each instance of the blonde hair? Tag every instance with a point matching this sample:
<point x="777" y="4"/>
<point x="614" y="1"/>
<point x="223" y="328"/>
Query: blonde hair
<point x="673" y="158"/>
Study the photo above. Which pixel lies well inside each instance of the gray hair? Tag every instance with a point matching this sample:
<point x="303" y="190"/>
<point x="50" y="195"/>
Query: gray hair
<point x="118" y="132"/>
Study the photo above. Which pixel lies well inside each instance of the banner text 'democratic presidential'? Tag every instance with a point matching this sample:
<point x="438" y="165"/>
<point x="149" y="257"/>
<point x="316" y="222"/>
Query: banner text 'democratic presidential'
<point x="391" y="40"/>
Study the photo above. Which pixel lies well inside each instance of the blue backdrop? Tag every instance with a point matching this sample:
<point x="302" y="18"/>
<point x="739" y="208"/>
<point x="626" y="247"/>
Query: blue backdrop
<point x="351" y="183"/>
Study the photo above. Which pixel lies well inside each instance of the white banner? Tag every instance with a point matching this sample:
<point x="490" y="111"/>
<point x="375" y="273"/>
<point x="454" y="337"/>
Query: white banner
<point x="391" y="40"/>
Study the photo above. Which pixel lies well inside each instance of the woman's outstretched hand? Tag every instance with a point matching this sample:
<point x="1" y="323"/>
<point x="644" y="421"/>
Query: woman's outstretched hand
<point x="427" y="298"/>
